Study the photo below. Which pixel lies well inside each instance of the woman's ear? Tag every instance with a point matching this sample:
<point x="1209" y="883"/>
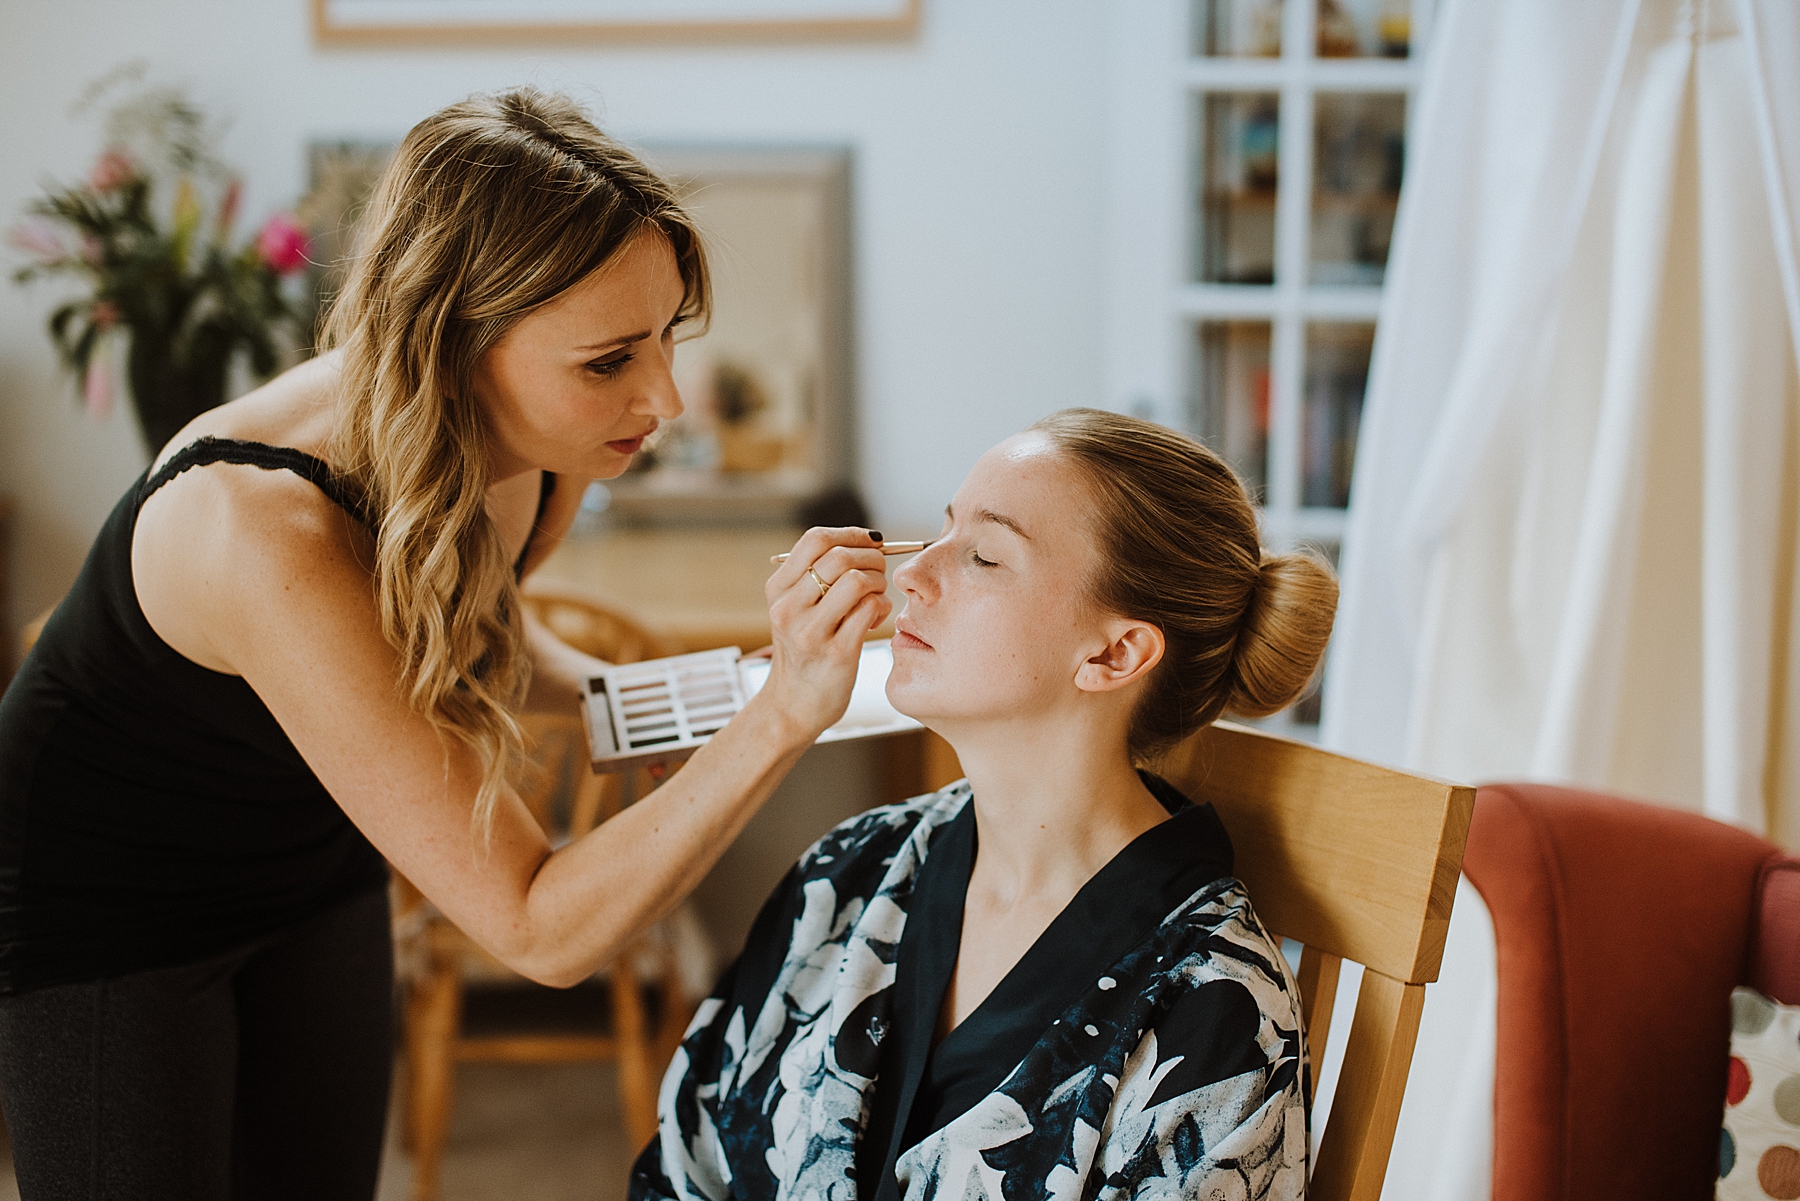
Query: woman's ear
<point x="1134" y="650"/>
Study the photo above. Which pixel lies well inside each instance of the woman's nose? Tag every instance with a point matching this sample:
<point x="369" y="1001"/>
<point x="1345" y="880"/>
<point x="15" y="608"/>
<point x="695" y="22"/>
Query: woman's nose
<point x="661" y="398"/>
<point x="916" y="577"/>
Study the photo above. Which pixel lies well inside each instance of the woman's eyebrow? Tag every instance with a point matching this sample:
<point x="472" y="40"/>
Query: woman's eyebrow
<point x="627" y="340"/>
<point x="996" y="518"/>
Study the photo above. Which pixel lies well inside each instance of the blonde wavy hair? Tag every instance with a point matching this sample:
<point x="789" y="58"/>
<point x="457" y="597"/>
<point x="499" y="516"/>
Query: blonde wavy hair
<point x="489" y="209"/>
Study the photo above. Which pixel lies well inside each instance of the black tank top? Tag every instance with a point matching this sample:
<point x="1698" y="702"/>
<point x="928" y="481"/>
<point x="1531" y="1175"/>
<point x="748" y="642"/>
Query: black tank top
<point x="152" y="811"/>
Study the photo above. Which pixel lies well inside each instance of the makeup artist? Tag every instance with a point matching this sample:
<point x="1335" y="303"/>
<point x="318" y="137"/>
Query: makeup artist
<point x="297" y="648"/>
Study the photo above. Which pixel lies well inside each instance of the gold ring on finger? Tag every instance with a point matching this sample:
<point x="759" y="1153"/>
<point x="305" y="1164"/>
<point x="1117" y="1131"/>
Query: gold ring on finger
<point x="823" y="586"/>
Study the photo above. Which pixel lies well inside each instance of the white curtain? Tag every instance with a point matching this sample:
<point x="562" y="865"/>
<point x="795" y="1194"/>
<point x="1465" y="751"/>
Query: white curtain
<point x="1571" y="554"/>
<point x="1571" y="551"/>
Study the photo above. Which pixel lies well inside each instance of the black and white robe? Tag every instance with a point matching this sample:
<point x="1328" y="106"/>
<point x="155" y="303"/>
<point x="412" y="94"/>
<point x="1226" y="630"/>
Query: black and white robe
<point x="1148" y="1045"/>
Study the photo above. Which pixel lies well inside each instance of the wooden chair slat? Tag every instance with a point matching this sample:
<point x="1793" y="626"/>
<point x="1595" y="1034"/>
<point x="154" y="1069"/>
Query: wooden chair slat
<point x="8" y="506"/>
<point x="535" y="1048"/>
<point x="638" y="1076"/>
<point x="1318" y="980"/>
<point x="596" y="799"/>
<point x="1353" y="1154"/>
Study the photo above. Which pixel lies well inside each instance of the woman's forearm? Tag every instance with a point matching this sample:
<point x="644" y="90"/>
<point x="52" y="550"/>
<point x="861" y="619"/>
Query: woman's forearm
<point x="559" y="916"/>
<point x="588" y="900"/>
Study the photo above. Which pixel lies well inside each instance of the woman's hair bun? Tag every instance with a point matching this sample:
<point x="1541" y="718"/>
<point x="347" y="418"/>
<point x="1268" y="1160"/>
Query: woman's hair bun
<point x="1282" y="638"/>
<point x="1244" y="630"/>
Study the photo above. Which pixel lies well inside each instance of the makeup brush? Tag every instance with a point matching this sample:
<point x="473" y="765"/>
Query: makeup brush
<point x="886" y="548"/>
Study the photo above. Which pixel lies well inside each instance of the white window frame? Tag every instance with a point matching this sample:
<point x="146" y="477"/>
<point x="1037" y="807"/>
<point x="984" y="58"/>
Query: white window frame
<point x="1153" y="307"/>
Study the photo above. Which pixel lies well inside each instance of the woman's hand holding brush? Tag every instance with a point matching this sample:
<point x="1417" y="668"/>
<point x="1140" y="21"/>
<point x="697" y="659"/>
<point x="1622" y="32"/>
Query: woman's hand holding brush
<point x="825" y="597"/>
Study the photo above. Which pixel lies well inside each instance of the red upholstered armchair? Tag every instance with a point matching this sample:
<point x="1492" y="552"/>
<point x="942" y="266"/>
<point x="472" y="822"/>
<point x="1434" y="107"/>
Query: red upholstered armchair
<point x="1621" y="929"/>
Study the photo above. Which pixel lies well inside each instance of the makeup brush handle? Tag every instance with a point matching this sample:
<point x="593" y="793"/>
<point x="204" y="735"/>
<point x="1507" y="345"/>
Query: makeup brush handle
<point x="887" y="548"/>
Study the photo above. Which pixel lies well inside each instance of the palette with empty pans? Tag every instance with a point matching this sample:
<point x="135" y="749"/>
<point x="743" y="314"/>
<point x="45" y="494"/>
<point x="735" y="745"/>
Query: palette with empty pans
<point x="661" y="710"/>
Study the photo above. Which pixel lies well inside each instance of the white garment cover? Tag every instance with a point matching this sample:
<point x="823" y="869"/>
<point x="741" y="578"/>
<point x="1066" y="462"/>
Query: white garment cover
<point x="1571" y="553"/>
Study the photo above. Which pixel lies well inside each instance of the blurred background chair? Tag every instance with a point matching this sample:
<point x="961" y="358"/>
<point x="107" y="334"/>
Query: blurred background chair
<point x="650" y="1004"/>
<point x="7" y="508"/>
<point x="1621" y="929"/>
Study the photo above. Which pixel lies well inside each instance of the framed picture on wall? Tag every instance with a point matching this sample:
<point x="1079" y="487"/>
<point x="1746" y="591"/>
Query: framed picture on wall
<point x="769" y="386"/>
<point x="404" y="21"/>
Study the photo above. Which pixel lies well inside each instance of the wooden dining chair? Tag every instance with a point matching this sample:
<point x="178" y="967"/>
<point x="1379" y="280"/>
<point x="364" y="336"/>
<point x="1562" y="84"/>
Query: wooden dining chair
<point x="1352" y="861"/>
<point x="437" y="960"/>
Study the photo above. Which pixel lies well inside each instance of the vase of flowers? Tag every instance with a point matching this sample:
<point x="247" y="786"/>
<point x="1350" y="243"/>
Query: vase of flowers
<point x="150" y="235"/>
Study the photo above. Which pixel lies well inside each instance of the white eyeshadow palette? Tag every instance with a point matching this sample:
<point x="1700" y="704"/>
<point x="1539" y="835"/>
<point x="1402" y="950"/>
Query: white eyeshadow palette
<point x="662" y="710"/>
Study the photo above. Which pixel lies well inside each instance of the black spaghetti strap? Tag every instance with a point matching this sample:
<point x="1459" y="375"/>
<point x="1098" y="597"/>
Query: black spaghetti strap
<point x="546" y="486"/>
<point x="258" y="454"/>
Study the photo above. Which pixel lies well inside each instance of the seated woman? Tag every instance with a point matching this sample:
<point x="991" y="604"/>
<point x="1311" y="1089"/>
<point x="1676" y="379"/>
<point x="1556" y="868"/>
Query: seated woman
<point x="1041" y="981"/>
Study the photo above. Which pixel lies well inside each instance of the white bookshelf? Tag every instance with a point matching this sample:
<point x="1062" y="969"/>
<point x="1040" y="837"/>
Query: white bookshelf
<point x="1160" y="294"/>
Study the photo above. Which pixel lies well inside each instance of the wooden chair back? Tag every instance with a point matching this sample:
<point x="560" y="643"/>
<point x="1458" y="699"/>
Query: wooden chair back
<point x="1356" y="862"/>
<point x="590" y="625"/>
<point x="561" y="761"/>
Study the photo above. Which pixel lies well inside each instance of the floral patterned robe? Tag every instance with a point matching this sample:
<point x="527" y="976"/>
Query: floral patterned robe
<point x="1178" y="1072"/>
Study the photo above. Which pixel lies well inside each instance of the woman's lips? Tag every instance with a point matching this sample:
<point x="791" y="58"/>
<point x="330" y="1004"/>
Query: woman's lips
<point x="626" y="446"/>
<point x="905" y="639"/>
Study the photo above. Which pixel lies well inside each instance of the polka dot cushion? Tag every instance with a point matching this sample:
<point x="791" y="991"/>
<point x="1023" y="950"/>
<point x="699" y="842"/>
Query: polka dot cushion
<point x="1759" y="1148"/>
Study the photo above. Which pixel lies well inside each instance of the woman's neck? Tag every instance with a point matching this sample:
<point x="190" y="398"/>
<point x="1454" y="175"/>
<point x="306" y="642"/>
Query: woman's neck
<point x="1051" y="811"/>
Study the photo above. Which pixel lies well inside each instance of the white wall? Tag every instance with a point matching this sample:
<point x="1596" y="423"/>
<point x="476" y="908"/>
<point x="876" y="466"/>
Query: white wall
<point x="979" y="204"/>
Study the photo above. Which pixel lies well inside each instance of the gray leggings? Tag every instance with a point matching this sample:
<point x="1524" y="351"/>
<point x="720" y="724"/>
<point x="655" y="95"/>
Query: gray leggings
<point x="257" y="1076"/>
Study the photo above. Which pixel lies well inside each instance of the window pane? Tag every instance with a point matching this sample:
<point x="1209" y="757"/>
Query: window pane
<point x="1337" y="374"/>
<point x="1231" y="397"/>
<point x="1237" y="28"/>
<point x="1238" y="135"/>
<point x="1362" y="28"/>
<point x="1359" y="151"/>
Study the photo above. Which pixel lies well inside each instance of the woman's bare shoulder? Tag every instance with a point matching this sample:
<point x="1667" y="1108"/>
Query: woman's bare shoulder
<point x="217" y="543"/>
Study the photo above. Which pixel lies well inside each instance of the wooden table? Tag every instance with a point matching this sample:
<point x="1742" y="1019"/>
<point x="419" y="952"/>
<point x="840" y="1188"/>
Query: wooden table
<point x="703" y="588"/>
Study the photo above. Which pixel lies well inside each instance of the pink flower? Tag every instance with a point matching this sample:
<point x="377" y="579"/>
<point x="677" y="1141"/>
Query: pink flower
<point x="283" y="244"/>
<point x="98" y="388"/>
<point x="104" y="314"/>
<point x="92" y="250"/>
<point x="111" y="170"/>
<point x="39" y="239"/>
